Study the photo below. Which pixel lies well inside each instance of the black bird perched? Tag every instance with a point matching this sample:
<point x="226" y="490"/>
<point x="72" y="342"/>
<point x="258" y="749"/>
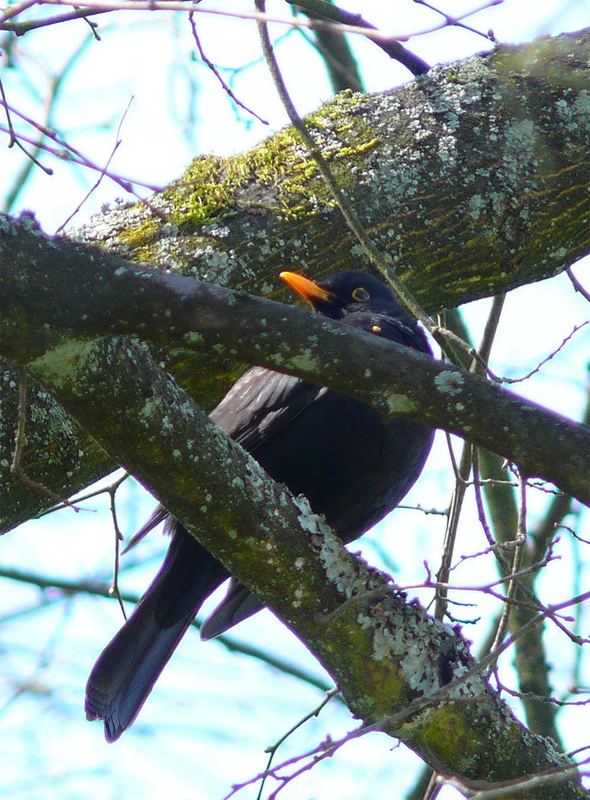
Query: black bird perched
<point x="351" y="464"/>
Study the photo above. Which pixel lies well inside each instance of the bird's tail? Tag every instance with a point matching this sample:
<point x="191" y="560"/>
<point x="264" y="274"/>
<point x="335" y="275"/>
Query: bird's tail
<point x="128" y="667"/>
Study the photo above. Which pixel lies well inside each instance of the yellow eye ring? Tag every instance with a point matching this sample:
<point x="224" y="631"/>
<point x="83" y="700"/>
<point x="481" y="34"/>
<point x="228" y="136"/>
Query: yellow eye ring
<point x="360" y="294"/>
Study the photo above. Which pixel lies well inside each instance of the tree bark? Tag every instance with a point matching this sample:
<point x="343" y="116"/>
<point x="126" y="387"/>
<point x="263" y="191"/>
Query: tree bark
<point x="471" y="180"/>
<point x="399" y="670"/>
<point x="107" y="296"/>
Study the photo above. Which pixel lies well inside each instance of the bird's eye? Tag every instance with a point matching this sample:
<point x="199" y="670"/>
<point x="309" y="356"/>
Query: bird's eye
<point x="360" y="294"/>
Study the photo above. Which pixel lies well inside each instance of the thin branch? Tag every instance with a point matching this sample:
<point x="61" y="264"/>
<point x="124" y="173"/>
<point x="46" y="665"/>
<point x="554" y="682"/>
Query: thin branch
<point x="517" y="786"/>
<point x="102" y="589"/>
<point x="104" y="6"/>
<point x="272" y="749"/>
<point x="542" y="363"/>
<point x="103" y="171"/>
<point x="55" y="88"/>
<point x="319" y="10"/>
<point x="13" y="138"/>
<point x="577" y="285"/>
<point x="462" y="472"/>
<point x="515" y="567"/>
<point x="19" y="444"/>
<point x="540" y="698"/>
<point x="455" y="21"/>
<point x="114" y="589"/>
<point x="66" y="152"/>
<point x="215" y="72"/>
<point x="481" y="513"/>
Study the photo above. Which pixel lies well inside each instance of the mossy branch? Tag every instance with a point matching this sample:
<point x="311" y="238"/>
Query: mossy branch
<point x="470" y="180"/>
<point x="387" y="656"/>
<point x="107" y="296"/>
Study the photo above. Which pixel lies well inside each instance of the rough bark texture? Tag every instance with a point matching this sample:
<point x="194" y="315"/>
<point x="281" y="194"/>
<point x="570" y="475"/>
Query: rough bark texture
<point x="109" y="296"/>
<point x="388" y="657"/>
<point x="471" y="180"/>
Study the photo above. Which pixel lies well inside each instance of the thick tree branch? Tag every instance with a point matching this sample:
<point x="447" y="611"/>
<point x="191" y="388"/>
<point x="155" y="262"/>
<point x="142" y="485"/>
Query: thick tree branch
<point x="384" y="654"/>
<point x="470" y="180"/>
<point x="108" y="296"/>
<point x="477" y="173"/>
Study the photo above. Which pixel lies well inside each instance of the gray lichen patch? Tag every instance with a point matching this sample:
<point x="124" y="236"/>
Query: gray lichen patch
<point x="310" y="522"/>
<point x="402" y="633"/>
<point x="449" y="382"/>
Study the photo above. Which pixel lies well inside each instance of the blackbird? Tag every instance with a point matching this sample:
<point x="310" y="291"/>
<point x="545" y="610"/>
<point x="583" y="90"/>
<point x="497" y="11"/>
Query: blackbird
<point x="352" y="465"/>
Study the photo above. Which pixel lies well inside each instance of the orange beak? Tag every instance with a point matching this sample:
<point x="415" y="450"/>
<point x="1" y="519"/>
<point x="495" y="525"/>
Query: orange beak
<point x="305" y="288"/>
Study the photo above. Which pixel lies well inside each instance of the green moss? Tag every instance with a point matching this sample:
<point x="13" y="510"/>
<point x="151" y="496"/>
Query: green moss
<point x="278" y="175"/>
<point x="388" y="689"/>
<point x="205" y="192"/>
<point x="147" y="231"/>
<point x="209" y="387"/>
<point x="143" y="238"/>
<point x="447" y="735"/>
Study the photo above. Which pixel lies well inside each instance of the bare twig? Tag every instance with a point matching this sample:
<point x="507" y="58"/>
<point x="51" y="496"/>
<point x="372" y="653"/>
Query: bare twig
<point x="215" y="71"/>
<point x="320" y="10"/>
<point x="539" y="698"/>
<point x="518" y="786"/>
<point x="105" y="6"/>
<point x="56" y="85"/>
<point x="481" y="513"/>
<point x="114" y="588"/>
<point x="429" y="583"/>
<point x="515" y="567"/>
<point x="542" y="363"/>
<point x="462" y="472"/>
<point x="455" y="21"/>
<point x="19" y="443"/>
<point x="13" y="138"/>
<point x="272" y="749"/>
<point x="103" y="171"/>
<point x="67" y="152"/>
<point x="577" y="285"/>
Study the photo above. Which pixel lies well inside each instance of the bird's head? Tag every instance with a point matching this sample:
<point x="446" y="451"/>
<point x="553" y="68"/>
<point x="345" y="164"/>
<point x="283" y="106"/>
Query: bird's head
<point x="344" y="293"/>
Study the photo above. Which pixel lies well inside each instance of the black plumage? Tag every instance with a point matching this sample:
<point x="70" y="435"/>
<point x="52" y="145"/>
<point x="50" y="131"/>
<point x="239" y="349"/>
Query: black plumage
<point x="351" y="464"/>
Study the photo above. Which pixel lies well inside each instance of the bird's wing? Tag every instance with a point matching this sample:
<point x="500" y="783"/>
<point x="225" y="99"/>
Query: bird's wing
<point x="238" y="604"/>
<point x="410" y="335"/>
<point x="257" y="406"/>
<point x="261" y="403"/>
